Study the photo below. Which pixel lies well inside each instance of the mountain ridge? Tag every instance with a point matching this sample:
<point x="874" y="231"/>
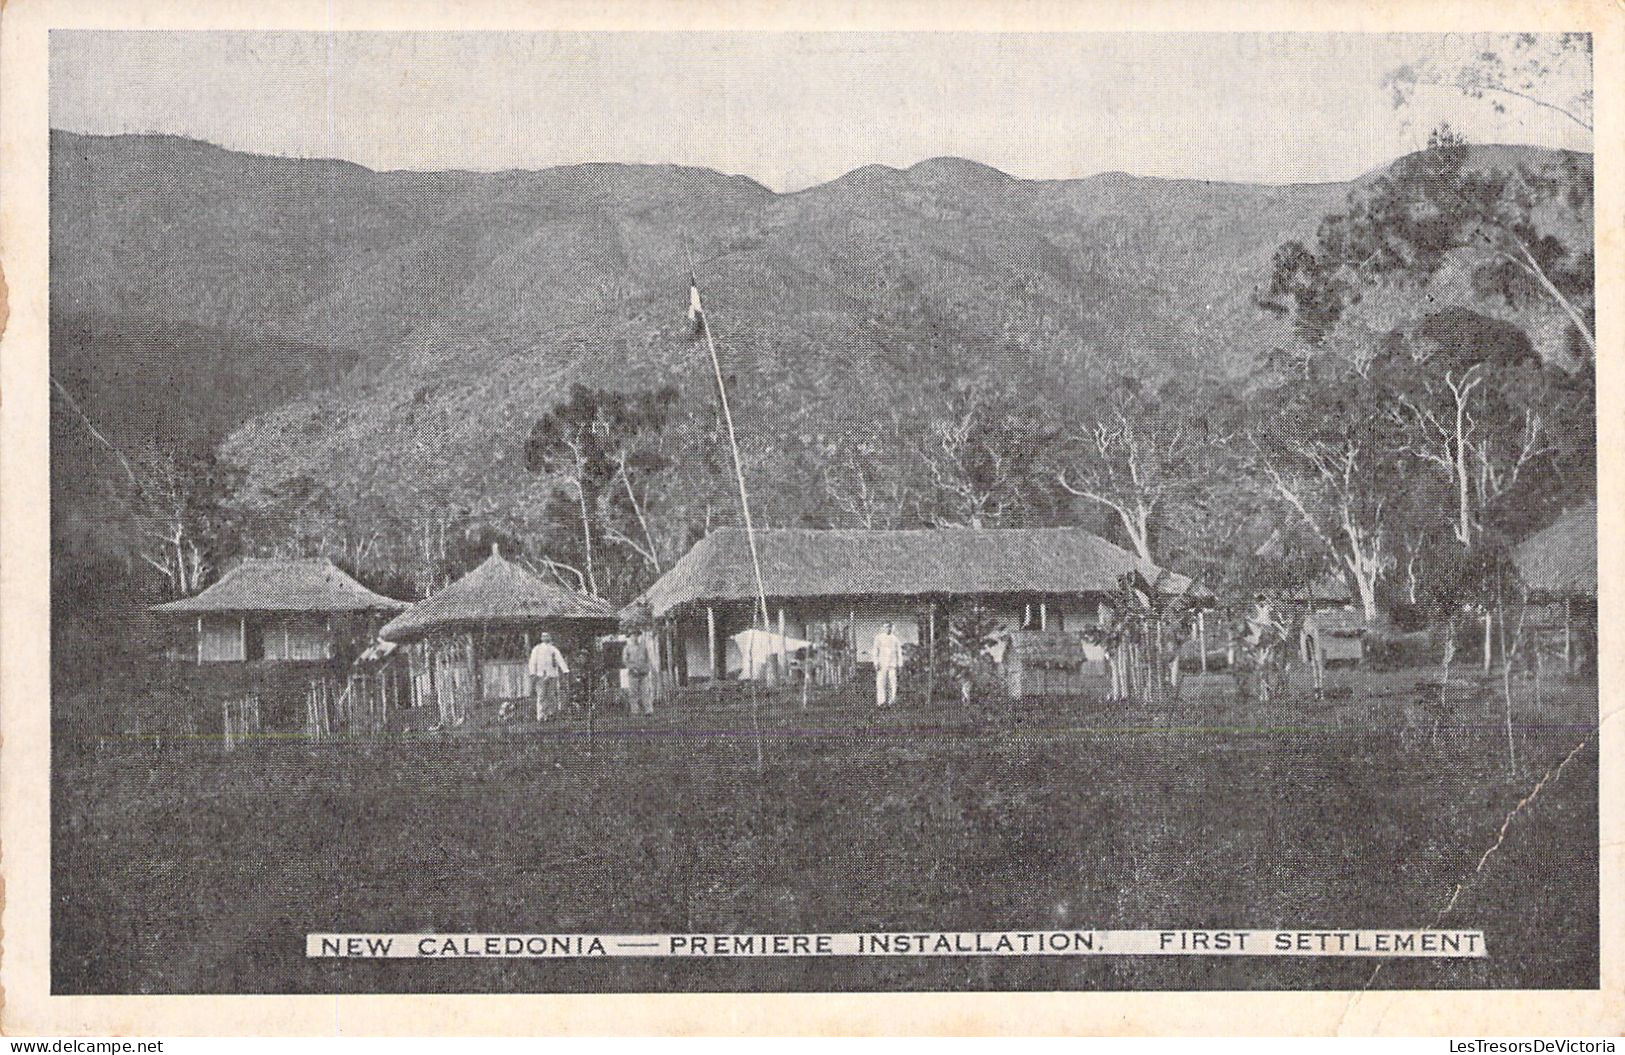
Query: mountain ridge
<point x="66" y="136"/>
<point x="466" y="302"/>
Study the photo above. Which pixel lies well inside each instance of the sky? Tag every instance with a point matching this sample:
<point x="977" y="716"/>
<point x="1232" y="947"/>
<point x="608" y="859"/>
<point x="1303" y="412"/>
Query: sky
<point x="788" y="109"/>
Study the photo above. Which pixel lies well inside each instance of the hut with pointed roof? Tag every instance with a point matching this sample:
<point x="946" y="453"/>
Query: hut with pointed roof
<point x="470" y="642"/>
<point x="841" y="585"/>
<point x="279" y="609"/>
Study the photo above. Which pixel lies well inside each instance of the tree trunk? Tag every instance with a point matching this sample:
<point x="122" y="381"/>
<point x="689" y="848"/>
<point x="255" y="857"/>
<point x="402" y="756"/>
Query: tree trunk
<point x="1531" y="266"/>
<point x="1365" y="582"/>
<point x="586" y="537"/>
<point x="1135" y="527"/>
<point x="1464" y="525"/>
<point x="643" y="522"/>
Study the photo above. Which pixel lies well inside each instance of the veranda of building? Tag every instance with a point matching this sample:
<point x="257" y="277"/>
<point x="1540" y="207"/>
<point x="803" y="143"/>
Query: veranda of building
<point x="847" y="583"/>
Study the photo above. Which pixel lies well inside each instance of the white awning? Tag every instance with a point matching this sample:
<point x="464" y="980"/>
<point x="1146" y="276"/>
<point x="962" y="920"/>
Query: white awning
<point x="758" y="647"/>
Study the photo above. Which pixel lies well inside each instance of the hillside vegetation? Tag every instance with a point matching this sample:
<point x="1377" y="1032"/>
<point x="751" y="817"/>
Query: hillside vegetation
<point x="467" y="301"/>
<point x="373" y="348"/>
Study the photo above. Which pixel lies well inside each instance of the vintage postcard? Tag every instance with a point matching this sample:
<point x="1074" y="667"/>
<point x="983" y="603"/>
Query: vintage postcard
<point x="1089" y="520"/>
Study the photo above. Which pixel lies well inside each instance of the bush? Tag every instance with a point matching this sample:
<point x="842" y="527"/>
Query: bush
<point x="1395" y="651"/>
<point x="1409" y="618"/>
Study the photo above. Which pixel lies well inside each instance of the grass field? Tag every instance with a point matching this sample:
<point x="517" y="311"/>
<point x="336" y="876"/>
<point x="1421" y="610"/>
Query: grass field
<point x="188" y="871"/>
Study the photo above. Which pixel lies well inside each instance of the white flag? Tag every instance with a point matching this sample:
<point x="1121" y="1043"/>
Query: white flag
<point x="694" y="309"/>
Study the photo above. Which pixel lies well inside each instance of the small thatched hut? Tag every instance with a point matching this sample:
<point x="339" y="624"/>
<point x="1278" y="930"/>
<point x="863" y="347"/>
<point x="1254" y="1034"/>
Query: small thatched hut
<point x="471" y="641"/>
<point x="297" y="610"/>
<point x="1558" y="566"/>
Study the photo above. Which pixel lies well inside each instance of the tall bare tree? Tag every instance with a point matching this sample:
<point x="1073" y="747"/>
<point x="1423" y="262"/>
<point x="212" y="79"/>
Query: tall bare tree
<point x="1466" y="396"/>
<point x="177" y="503"/>
<point x="988" y="459"/>
<point x="1335" y="472"/>
<point x="1136" y="452"/>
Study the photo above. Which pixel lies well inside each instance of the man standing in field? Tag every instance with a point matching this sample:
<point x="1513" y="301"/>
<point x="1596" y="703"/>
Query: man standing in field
<point x="640" y="675"/>
<point x="547" y="670"/>
<point x="888" y="656"/>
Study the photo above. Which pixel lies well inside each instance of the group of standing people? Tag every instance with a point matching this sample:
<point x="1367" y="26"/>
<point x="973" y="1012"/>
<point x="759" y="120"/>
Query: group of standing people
<point x="548" y="670"/>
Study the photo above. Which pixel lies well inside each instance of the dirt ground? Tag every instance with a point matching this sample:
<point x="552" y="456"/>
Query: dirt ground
<point x="186" y="870"/>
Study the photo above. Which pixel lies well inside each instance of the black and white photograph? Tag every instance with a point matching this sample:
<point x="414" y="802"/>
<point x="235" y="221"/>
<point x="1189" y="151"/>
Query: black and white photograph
<point x="587" y="512"/>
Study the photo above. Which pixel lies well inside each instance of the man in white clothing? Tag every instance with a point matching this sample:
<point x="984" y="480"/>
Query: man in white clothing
<point x="888" y="656"/>
<point x="547" y="670"/>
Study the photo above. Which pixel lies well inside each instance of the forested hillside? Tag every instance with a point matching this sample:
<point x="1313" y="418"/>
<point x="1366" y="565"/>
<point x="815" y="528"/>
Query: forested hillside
<point x="374" y="350"/>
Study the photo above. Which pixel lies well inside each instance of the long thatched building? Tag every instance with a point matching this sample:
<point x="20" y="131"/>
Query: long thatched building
<point x="287" y="610"/>
<point x="469" y="642"/>
<point x="824" y="585"/>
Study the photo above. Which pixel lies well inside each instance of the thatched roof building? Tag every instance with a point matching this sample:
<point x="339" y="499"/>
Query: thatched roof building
<point x="499" y="595"/>
<point x="946" y="562"/>
<point x="280" y="609"/>
<point x="1561" y="561"/>
<point x="313" y="585"/>
<point x="846" y="584"/>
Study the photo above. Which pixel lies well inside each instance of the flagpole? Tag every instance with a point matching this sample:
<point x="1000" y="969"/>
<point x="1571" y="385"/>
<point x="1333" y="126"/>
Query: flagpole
<point x="698" y="309"/>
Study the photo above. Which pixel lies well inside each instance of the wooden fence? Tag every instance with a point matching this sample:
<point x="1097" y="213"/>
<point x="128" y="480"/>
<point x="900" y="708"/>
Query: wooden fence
<point x="360" y="706"/>
<point x="240" y="719"/>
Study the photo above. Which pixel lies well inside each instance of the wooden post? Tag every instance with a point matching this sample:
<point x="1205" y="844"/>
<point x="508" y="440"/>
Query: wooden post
<point x="711" y="642"/>
<point x="852" y="642"/>
<point x="1320" y="664"/>
<point x="659" y="670"/>
<point x="1201" y="636"/>
<point x="1043" y="615"/>
<point x="473" y="676"/>
<point x="931" y="653"/>
<point x="1489" y="617"/>
<point x="1156" y="660"/>
<point x="242" y="637"/>
<point x="1568" y="647"/>
<point x="200" y="641"/>
<point x="784" y="671"/>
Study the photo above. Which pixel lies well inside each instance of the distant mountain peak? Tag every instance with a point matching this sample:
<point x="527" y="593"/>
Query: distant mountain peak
<point x="949" y="167"/>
